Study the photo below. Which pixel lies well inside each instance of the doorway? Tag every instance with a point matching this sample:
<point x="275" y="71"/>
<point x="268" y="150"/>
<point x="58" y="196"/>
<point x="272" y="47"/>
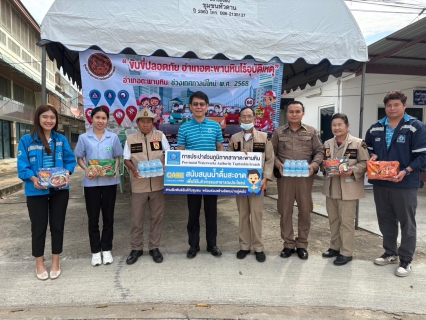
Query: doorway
<point x="325" y="115"/>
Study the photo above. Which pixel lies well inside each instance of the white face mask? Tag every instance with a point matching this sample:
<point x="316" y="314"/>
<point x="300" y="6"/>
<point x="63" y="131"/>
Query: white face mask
<point x="187" y="111"/>
<point x="247" y="126"/>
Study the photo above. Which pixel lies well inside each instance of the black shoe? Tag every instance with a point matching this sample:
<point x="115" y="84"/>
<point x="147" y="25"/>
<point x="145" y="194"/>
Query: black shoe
<point x="302" y="253"/>
<point x="286" y="253"/>
<point x="242" y="254"/>
<point x="156" y="255"/>
<point x="192" y="252"/>
<point x="330" y="253"/>
<point x="215" y="251"/>
<point x="260" y="256"/>
<point x="341" y="260"/>
<point x="133" y="256"/>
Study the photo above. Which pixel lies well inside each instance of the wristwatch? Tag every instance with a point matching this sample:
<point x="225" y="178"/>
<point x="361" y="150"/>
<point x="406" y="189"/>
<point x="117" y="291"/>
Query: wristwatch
<point x="407" y="172"/>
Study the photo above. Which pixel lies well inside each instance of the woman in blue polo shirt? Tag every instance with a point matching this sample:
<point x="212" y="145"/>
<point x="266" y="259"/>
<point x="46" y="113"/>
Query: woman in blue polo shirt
<point x="45" y="148"/>
<point x="100" y="192"/>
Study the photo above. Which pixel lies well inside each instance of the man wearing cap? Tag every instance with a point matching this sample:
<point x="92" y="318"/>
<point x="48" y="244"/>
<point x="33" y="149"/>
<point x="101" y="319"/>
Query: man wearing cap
<point x="145" y="145"/>
<point x="296" y="141"/>
<point x="201" y="134"/>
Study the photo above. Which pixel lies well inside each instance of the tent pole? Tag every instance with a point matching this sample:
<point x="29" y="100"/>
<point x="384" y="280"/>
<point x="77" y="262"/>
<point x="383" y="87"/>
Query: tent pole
<point x="43" y="75"/>
<point x="361" y="118"/>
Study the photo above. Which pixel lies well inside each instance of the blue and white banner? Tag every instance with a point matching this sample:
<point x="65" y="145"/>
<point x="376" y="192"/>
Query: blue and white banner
<point x="213" y="173"/>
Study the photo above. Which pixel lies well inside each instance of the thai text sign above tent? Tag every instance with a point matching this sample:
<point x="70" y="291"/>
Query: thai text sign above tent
<point x="124" y="84"/>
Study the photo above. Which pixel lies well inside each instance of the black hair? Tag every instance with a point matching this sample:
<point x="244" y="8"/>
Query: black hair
<point x="295" y="102"/>
<point x="245" y="108"/>
<point x="342" y="116"/>
<point x="37" y="129"/>
<point x="99" y="109"/>
<point x="253" y="171"/>
<point x="395" y="95"/>
<point x="200" y="95"/>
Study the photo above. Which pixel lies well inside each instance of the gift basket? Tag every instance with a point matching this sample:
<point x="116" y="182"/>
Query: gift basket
<point x="102" y="168"/>
<point x="382" y="170"/>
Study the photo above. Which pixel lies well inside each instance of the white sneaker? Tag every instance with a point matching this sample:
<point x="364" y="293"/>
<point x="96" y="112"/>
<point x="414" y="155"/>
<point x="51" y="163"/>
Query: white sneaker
<point x="404" y="269"/>
<point x="96" y="259"/>
<point x="386" y="259"/>
<point x="107" y="257"/>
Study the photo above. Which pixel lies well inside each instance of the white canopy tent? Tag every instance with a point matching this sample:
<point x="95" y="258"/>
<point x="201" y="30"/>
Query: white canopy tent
<point x="314" y="39"/>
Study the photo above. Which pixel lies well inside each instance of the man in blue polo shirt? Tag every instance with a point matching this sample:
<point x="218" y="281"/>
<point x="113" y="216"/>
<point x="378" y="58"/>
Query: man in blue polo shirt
<point x="397" y="137"/>
<point x="201" y="134"/>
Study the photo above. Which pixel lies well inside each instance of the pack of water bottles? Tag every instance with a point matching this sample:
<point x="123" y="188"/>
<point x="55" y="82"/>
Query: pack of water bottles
<point x="296" y="168"/>
<point x="150" y="169"/>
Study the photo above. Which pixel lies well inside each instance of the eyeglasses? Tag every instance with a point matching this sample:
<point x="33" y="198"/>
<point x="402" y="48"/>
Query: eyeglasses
<point x="246" y="117"/>
<point x="201" y="104"/>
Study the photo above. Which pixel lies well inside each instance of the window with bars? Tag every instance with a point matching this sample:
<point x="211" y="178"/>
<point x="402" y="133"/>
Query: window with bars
<point x="5" y="139"/>
<point x="22" y="129"/>
<point x="5" y="87"/>
<point x="6" y="20"/>
<point x="26" y="57"/>
<point x="3" y="38"/>
<point x="14" y="47"/>
<point x="36" y="65"/>
<point x="23" y="95"/>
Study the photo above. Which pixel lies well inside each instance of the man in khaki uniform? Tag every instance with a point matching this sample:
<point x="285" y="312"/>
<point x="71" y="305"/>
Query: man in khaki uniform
<point x="296" y="141"/>
<point x="250" y="208"/>
<point x="145" y="145"/>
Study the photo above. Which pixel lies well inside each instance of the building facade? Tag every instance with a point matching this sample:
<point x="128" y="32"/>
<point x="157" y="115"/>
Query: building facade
<point x="20" y="80"/>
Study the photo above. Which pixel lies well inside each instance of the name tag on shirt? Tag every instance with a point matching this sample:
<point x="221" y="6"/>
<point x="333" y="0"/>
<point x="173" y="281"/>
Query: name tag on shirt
<point x="136" y="148"/>
<point x="258" y="147"/>
<point x="351" y="153"/>
<point x="156" y="145"/>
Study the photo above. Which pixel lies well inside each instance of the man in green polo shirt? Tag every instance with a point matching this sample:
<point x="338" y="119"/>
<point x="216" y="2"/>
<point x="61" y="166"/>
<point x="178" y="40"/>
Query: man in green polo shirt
<point x="201" y="134"/>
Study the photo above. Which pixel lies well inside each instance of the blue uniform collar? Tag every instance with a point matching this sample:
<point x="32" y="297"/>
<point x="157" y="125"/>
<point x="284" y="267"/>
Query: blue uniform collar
<point x="107" y="134"/>
<point x="195" y="121"/>
<point x="53" y="136"/>
<point x="385" y="120"/>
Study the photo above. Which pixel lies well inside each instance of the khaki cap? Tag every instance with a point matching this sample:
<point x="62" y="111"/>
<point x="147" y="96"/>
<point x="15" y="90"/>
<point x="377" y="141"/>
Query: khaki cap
<point x="145" y="113"/>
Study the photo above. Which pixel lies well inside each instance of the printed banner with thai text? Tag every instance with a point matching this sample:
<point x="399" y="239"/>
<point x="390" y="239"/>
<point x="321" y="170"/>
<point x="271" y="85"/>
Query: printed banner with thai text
<point x="124" y="84"/>
<point x="213" y="173"/>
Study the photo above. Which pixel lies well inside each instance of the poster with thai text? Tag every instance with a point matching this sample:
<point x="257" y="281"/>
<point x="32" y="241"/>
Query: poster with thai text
<point x="213" y="173"/>
<point x="124" y="84"/>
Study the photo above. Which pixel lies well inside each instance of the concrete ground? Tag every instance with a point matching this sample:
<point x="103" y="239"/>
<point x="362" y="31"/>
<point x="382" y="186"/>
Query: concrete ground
<point x="222" y="287"/>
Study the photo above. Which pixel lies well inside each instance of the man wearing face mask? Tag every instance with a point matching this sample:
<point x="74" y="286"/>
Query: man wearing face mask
<point x="250" y="208"/>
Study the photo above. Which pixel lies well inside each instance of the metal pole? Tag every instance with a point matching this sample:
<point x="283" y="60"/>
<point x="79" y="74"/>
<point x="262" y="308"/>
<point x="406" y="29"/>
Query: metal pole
<point x="361" y="118"/>
<point x="43" y="75"/>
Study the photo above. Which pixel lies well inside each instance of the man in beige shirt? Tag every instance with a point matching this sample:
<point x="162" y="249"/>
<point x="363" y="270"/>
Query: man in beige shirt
<point x="250" y="208"/>
<point x="296" y="141"/>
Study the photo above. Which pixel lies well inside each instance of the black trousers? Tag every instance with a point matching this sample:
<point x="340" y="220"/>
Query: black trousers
<point x="48" y="209"/>
<point x="210" y="211"/>
<point x="395" y="205"/>
<point x="97" y="199"/>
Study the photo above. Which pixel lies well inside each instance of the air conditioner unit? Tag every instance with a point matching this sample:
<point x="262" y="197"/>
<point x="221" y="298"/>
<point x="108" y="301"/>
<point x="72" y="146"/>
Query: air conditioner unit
<point x="314" y="93"/>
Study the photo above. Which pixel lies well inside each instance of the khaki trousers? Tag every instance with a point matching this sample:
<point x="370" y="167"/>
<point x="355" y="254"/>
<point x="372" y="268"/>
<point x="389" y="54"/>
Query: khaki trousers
<point x="341" y="214"/>
<point x="155" y="201"/>
<point x="250" y="211"/>
<point x="299" y="189"/>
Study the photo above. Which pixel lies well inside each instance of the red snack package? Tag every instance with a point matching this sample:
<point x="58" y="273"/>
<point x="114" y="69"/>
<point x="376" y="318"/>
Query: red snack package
<point x="382" y="170"/>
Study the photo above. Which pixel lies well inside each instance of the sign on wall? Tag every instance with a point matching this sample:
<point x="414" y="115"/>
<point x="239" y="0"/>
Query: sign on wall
<point x="419" y="97"/>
